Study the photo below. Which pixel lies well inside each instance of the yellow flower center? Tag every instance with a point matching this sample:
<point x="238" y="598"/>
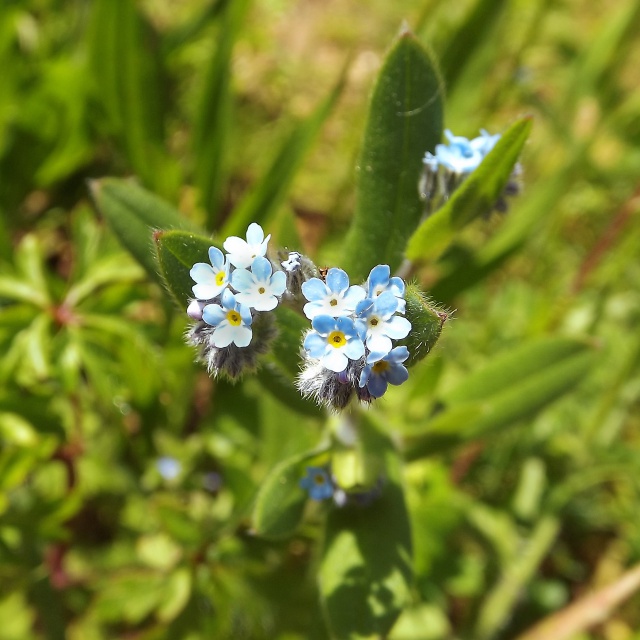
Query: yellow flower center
<point x="337" y="339"/>
<point x="220" y="278"/>
<point x="233" y="317"/>
<point x="318" y="479"/>
<point x="380" y="366"/>
<point x="373" y="321"/>
<point x="261" y="290"/>
<point x="333" y="302"/>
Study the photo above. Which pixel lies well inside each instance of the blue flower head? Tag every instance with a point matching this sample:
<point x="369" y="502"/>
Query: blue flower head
<point x="318" y="483"/>
<point x="211" y="280"/>
<point x="378" y="325"/>
<point x="379" y="282"/>
<point x="260" y="287"/>
<point x="232" y="321"/>
<point x="388" y="370"/>
<point x="334" y="342"/>
<point x="335" y="298"/>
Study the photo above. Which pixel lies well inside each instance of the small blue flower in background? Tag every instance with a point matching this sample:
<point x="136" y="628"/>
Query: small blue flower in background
<point x="168" y="467"/>
<point x="232" y="321"/>
<point x="460" y="156"/>
<point x="258" y="288"/>
<point x="242" y="253"/>
<point x="378" y="325"/>
<point x="389" y="370"/>
<point x="318" y="483"/>
<point x="212" y="279"/>
<point x="335" y="298"/>
<point x="485" y="142"/>
<point x="334" y="342"/>
<point x="379" y="282"/>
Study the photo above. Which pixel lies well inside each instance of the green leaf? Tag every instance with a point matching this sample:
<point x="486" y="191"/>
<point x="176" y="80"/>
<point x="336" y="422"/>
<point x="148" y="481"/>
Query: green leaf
<point x="365" y="572"/>
<point x="177" y="252"/>
<point x="280" y="502"/>
<point x="508" y="390"/>
<point x="213" y="122"/>
<point x="134" y="213"/>
<point x="267" y="195"/>
<point x="426" y="324"/>
<point x="405" y="121"/>
<point x="475" y="197"/>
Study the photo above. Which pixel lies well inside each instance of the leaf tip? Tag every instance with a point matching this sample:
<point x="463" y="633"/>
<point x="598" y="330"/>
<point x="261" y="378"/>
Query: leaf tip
<point x="157" y="235"/>
<point x="405" y="30"/>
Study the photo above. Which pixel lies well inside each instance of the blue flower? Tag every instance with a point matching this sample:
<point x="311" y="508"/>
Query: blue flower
<point x="334" y="342"/>
<point x="378" y="325"/>
<point x="335" y="298"/>
<point x="318" y="483"/>
<point x="168" y="467"/>
<point x="389" y="370"/>
<point x="460" y="156"/>
<point x="212" y="279"/>
<point x="379" y="282"/>
<point x="485" y="142"/>
<point x="232" y="321"/>
<point x="258" y="288"/>
<point x="242" y="253"/>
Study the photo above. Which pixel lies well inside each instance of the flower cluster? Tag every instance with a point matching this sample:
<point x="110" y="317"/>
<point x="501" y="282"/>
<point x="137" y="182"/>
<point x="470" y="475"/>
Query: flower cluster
<point x="451" y="164"/>
<point x="350" y="347"/>
<point x="230" y="295"/>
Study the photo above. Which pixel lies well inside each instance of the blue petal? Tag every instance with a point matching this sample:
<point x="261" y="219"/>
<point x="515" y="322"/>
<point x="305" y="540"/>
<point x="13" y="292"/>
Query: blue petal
<point x="216" y="257"/>
<point x="335" y="360"/>
<point x="361" y="328"/>
<point x="346" y="325"/>
<point x="364" y="307"/>
<point x="241" y="279"/>
<point x="398" y="354"/>
<point x="245" y="314"/>
<point x="364" y="376"/>
<point x="324" y="324"/>
<point x="202" y="273"/>
<point x="261" y="268"/>
<point x="213" y="314"/>
<point x="354" y="349"/>
<point x="397" y="374"/>
<point x="379" y="276"/>
<point x="337" y="280"/>
<point x="314" y="289"/>
<point x="397" y="328"/>
<point x="278" y="283"/>
<point x="397" y="286"/>
<point x="377" y="386"/>
<point x="255" y="234"/>
<point x="374" y="356"/>
<point x="354" y="294"/>
<point x="385" y="304"/>
<point x="315" y="344"/>
<point x="228" y="300"/>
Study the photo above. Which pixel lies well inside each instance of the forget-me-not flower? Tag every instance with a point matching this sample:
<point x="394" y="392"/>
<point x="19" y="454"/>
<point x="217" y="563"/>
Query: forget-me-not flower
<point x="232" y="321"/>
<point x="258" y="288"/>
<point x="379" y="282"/>
<point x="211" y="279"/>
<point x="242" y="253"/>
<point x="318" y="483"/>
<point x="168" y="467"/>
<point x="484" y="142"/>
<point x="389" y="370"/>
<point x="378" y="325"/>
<point x="460" y="156"/>
<point x="334" y="342"/>
<point x="335" y="298"/>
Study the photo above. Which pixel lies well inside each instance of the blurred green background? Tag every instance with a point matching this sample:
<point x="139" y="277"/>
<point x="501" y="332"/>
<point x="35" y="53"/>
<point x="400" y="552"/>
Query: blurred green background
<point x="254" y="110"/>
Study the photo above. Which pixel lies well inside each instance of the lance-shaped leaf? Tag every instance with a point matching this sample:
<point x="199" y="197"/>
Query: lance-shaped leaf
<point x="280" y="502"/>
<point x="404" y="121"/>
<point x="513" y="387"/>
<point x="475" y="197"/>
<point x="134" y="213"/>
<point x="365" y="571"/>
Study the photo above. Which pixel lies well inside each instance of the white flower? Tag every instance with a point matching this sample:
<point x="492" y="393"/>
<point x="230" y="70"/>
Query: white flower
<point x="258" y="288"/>
<point x="241" y="253"/>
<point x="210" y="280"/>
<point x="232" y="321"/>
